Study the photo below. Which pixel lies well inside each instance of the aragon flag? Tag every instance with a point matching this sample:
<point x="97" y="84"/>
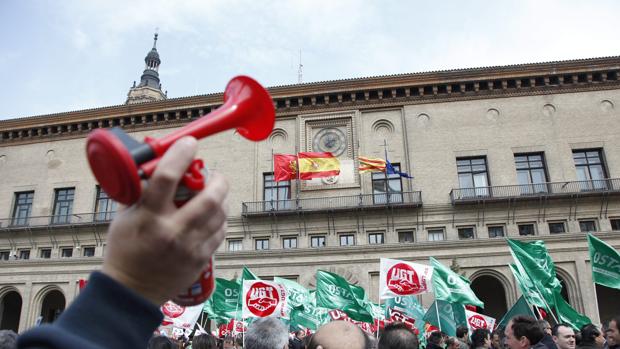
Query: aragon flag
<point x="284" y="167"/>
<point x="318" y="165"/>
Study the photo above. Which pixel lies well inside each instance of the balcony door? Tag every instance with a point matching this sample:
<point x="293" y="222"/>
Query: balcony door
<point x="590" y="169"/>
<point x="531" y="173"/>
<point x="276" y="195"/>
<point x="473" y="177"/>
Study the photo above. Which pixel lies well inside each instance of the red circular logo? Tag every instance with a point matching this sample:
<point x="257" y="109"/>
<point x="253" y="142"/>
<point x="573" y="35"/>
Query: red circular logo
<point x="172" y="310"/>
<point x="403" y="280"/>
<point x="477" y="322"/>
<point x="262" y="299"/>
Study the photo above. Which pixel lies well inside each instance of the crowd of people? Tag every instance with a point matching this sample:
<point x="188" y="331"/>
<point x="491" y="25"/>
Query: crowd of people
<point x="522" y="332"/>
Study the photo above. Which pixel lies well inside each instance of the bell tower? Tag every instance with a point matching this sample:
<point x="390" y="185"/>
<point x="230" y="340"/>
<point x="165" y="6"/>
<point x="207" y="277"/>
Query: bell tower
<point x="149" y="89"/>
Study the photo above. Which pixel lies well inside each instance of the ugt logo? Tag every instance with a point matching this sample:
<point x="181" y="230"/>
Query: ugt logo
<point x="262" y="299"/>
<point x="477" y="322"/>
<point x="403" y="280"/>
<point x="172" y="310"/>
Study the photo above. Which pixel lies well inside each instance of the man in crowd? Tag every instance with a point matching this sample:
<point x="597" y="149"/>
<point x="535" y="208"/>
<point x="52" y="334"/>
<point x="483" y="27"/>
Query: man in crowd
<point x="297" y="342"/>
<point x="523" y="332"/>
<point x="613" y="333"/>
<point x="119" y="308"/>
<point x="547" y="340"/>
<point x="462" y="334"/>
<point x="398" y="336"/>
<point x="435" y="341"/>
<point x="497" y="340"/>
<point x="338" y="335"/>
<point x="452" y="343"/>
<point x="563" y="336"/>
<point x="266" y="333"/>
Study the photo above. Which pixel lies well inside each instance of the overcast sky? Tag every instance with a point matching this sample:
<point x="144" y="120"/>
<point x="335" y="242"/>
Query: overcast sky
<point x="63" y="55"/>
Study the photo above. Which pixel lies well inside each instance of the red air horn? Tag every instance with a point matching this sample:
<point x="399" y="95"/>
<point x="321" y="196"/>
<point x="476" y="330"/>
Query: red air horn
<point x="120" y="162"/>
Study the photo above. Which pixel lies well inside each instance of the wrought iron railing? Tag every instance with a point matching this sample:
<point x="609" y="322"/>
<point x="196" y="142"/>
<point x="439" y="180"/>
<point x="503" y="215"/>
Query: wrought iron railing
<point x="526" y="191"/>
<point x="405" y="199"/>
<point x="57" y="220"/>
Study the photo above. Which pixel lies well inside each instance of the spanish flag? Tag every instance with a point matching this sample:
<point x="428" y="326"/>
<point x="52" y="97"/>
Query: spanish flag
<point x="318" y="165"/>
<point x="284" y="167"/>
<point x="371" y="165"/>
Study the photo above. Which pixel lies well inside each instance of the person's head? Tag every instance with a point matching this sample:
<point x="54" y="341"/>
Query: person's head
<point x="162" y="342"/>
<point x="266" y="333"/>
<point x="613" y="331"/>
<point x="398" y="336"/>
<point x="300" y="334"/>
<point x="435" y="338"/>
<point x="239" y="341"/>
<point x="481" y="338"/>
<point x="544" y="324"/>
<point x="496" y="339"/>
<point x="204" y="341"/>
<point x="8" y="339"/>
<point x="228" y="342"/>
<point x="339" y="334"/>
<point x="563" y="336"/>
<point x="452" y="343"/>
<point x="461" y="333"/>
<point x="591" y="335"/>
<point x="522" y="332"/>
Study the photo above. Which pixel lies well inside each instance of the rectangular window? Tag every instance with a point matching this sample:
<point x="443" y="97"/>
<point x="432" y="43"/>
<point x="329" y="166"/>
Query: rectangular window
<point x="289" y="242"/>
<point x="261" y="244"/>
<point x="496" y="231"/>
<point x="317" y="241"/>
<point x="615" y="224"/>
<point x="587" y="225"/>
<point x="375" y="238"/>
<point x="405" y="236"/>
<point x="276" y="195"/>
<point x="590" y="169"/>
<point x="45" y="253"/>
<point x="531" y="173"/>
<point x="473" y="176"/>
<point x="436" y="234"/>
<point x="347" y="240"/>
<point x="66" y="252"/>
<point x="24" y="254"/>
<point x="235" y="245"/>
<point x="466" y="233"/>
<point x="63" y="205"/>
<point x="557" y="227"/>
<point x="23" y="208"/>
<point x="105" y="207"/>
<point x="89" y="251"/>
<point x="387" y="187"/>
<point x="4" y="255"/>
<point x="527" y="229"/>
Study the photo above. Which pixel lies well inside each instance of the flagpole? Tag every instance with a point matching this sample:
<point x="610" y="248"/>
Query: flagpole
<point x="297" y="185"/>
<point x="385" y="172"/>
<point x="437" y="311"/>
<point x="545" y="301"/>
<point x="595" y="295"/>
<point x="273" y="168"/>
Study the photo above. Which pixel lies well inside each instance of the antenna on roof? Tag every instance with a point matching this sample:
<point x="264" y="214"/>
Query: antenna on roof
<point x="300" y="71"/>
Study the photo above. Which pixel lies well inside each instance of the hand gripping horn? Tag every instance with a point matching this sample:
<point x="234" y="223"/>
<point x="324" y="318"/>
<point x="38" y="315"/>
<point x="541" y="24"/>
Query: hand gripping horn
<point x="120" y="162"/>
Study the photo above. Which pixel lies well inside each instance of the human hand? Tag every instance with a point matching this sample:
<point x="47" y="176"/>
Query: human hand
<point x="157" y="249"/>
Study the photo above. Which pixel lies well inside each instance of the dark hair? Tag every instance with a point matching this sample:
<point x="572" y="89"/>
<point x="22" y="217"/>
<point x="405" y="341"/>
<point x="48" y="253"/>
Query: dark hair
<point x="526" y="326"/>
<point x="615" y="319"/>
<point x="204" y="341"/>
<point x="461" y="331"/>
<point x="161" y="342"/>
<point x="398" y="336"/>
<point x="478" y="337"/>
<point x="589" y="333"/>
<point x="450" y="341"/>
<point x="435" y="337"/>
<point x="556" y="328"/>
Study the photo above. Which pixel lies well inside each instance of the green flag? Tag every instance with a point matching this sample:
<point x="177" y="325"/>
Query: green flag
<point x="296" y="294"/>
<point x="409" y="306"/>
<point x="247" y="274"/>
<point x="605" y="261"/>
<point x="224" y="303"/>
<point x="309" y="316"/>
<point x="334" y="292"/>
<point x="451" y="287"/>
<point x="519" y="308"/>
<point x="529" y="291"/>
<point x="451" y="315"/>
<point x="566" y="314"/>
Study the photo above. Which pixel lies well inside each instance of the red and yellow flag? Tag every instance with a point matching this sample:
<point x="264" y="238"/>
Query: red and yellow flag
<point x="371" y="165"/>
<point x="284" y="167"/>
<point x="318" y="165"/>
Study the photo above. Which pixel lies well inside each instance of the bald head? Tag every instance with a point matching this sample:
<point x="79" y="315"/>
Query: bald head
<point x="339" y="334"/>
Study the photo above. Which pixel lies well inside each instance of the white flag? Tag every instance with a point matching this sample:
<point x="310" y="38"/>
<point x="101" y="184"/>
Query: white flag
<point x="476" y="321"/>
<point x="178" y="316"/>
<point x="399" y="278"/>
<point x="263" y="299"/>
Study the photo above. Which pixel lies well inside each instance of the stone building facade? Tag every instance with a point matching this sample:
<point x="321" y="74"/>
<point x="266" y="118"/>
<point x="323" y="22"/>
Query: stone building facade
<point x="527" y="152"/>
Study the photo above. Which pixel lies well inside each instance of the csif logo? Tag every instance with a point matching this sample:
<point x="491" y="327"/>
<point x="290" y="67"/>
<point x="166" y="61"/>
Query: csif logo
<point x="262" y="299"/>
<point x="402" y="279"/>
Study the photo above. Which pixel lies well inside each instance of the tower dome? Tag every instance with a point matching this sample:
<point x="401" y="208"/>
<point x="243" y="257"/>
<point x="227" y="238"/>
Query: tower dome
<point x="149" y="88"/>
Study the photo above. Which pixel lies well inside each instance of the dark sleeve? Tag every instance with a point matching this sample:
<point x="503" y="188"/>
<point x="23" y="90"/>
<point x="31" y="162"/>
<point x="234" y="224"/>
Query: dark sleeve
<point x="105" y="315"/>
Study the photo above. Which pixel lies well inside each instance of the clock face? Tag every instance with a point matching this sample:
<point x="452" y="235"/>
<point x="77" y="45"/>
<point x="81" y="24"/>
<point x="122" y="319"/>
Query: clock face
<point x="330" y="140"/>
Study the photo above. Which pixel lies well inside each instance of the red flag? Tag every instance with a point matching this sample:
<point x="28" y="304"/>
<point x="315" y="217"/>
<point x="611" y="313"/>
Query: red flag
<point x="284" y="167"/>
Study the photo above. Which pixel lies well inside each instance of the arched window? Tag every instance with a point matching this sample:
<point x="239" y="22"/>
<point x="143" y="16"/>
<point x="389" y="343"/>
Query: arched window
<point x="10" y="311"/>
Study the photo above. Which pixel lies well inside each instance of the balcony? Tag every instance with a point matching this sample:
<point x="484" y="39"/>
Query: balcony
<point x="536" y="191"/>
<point x="77" y="219"/>
<point x="335" y="203"/>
